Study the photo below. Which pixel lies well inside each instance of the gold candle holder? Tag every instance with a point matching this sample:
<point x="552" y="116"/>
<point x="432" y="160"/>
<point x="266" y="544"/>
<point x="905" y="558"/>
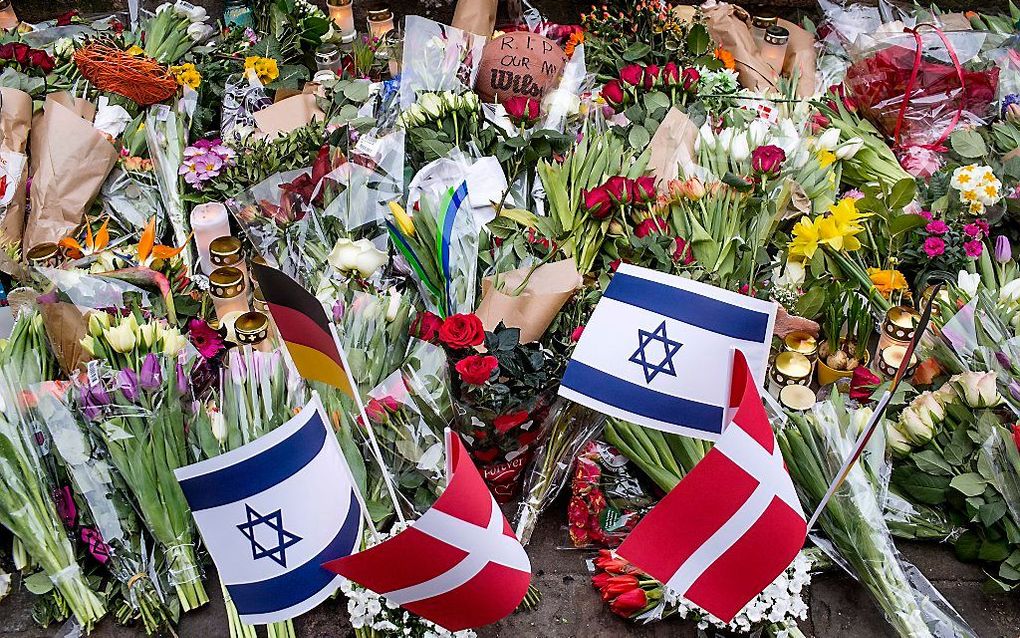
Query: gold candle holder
<point x="890" y="358"/>
<point x="226" y="251"/>
<point x="797" y="397"/>
<point x="789" y="368"/>
<point x="227" y="289"/>
<point x="251" y="328"/>
<point x="44" y="255"/>
<point x="802" y="342"/>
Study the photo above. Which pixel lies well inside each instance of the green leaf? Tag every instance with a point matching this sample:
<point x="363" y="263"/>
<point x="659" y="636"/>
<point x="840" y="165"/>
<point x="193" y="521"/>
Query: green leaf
<point x="656" y="100"/>
<point x="810" y="303"/>
<point x="905" y="223"/>
<point x="970" y="484"/>
<point x="902" y="193"/>
<point x="931" y="462"/>
<point x="38" y="583"/>
<point x="968" y="144"/>
<point x="990" y="513"/>
<point x="636" y="51"/>
<point x="967" y="546"/>
<point x="639" y="137"/>
<point x="993" y="551"/>
<point x="698" y="40"/>
<point x="924" y="488"/>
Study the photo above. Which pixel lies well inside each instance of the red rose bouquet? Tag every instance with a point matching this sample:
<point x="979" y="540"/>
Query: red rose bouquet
<point x="917" y="87"/>
<point x="502" y="390"/>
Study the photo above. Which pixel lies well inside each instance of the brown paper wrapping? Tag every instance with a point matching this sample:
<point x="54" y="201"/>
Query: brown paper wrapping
<point x="727" y="24"/>
<point x="672" y="147"/>
<point x="70" y="160"/>
<point x="287" y="115"/>
<point x="475" y="16"/>
<point x="550" y="286"/>
<point x="65" y="327"/>
<point x="15" y="124"/>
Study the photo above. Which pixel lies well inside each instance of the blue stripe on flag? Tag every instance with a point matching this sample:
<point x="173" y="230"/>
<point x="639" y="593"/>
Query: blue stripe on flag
<point x="258" y="473"/>
<point x="301" y="583"/>
<point x="689" y="307"/>
<point x="631" y="397"/>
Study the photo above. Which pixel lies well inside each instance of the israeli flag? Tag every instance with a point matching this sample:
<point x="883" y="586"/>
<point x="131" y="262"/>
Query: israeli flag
<point x="658" y="351"/>
<point x="272" y="512"/>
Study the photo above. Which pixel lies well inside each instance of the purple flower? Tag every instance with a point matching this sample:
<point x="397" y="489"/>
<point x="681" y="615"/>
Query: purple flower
<point x="127" y="383"/>
<point x="338" y="312"/>
<point x="66" y="509"/>
<point x="182" y="379"/>
<point x="1014" y="389"/>
<point x="93" y="399"/>
<point x="151" y="377"/>
<point x="1003" y="360"/>
<point x="204" y="160"/>
<point x="98" y="548"/>
<point x="1003" y="251"/>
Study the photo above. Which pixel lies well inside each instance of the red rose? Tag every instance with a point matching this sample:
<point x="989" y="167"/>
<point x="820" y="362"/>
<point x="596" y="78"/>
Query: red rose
<point x="629" y="603"/>
<point x="488" y="455"/>
<point x="504" y="423"/>
<point x="7" y="51"/>
<point x="21" y="51"/>
<point x="643" y="189"/>
<point x="375" y="411"/>
<point x="689" y="78"/>
<point x="863" y="383"/>
<point x="598" y="202"/>
<point x="671" y="74"/>
<point x="41" y="60"/>
<point x="476" y="369"/>
<point x="462" y="331"/>
<point x="66" y="18"/>
<point x="613" y="93"/>
<point x="651" y="76"/>
<point x="650" y="226"/>
<point x="426" y="326"/>
<point x="576" y="334"/>
<point x="527" y="438"/>
<point x="632" y="74"/>
<point x="618" y="188"/>
<point x="767" y="159"/>
<point x="522" y="110"/>
<point x="1016" y="435"/>
<point x="682" y="253"/>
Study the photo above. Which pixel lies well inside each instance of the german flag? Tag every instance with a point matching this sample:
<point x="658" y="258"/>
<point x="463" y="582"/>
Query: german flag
<point x="304" y="327"/>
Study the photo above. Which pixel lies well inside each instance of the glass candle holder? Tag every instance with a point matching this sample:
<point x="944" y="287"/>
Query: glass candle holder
<point x="341" y="12"/>
<point x="8" y="18"/>
<point x="228" y="292"/>
<point x="237" y="14"/>
<point x="328" y="58"/>
<point x="760" y="24"/>
<point x="380" y="20"/>
<point x="209" y="221"/>
<point x="773" y="48"/>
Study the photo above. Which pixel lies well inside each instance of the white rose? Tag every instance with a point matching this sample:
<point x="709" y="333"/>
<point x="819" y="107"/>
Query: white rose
<point x="199" y="31"/>
<point x="369" y="259"/>
<point x="344" y="254"/>
<point x="431" y="104"/>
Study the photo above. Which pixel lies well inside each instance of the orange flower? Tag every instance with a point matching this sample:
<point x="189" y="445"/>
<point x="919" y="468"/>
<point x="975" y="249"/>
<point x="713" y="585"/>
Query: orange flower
<point x="576" y="38"/>
<point x="148" y="250"/>
<point x="74" y="250"/>
<point x="887" y="281"/>
<point x="726" y="58"/>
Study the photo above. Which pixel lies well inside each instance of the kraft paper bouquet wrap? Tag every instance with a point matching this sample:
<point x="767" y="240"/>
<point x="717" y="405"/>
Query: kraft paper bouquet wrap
<point x="528" y="298"/>
<point x="919" y="85"/>
<point x="15" y="124"/>
<point x="70" y="160"/>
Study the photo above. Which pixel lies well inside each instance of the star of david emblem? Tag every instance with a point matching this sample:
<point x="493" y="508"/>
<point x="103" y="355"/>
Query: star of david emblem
<point x="665" y="345"/>
<point x="264" y="544"/>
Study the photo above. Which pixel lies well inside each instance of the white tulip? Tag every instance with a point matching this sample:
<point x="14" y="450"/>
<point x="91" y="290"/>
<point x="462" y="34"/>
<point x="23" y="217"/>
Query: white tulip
<point x="849" y="148"/>
<point x="164" y="7"/>
<point x="1008" y="294"/>
<point x="147" y="333"/>
<point x="828" y="140"/>
<point x="173" y="342"/>
<point x="758" y="132"/>
<point x="218" y="424"/>
<point x="122" y="338"/>
<point x="969" y="282"/>
<point x="739" y="149"/>
<point x="706" y="137"/>
<point x="725" y="138"/>
<point x="859" y="420"/>
<point x="394" y="306"/>
<point x="192" y="12"/>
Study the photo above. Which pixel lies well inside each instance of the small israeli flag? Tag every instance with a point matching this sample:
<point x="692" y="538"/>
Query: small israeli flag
<point x="658" y="351"/>
<point x="272" y="512"/>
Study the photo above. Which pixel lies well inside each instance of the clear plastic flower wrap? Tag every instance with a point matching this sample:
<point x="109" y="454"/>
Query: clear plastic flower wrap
<point x="27" y="507"/>
<point x="814" y="446"/>
<point x="437" y="58"/>
<point x="919" y="86"/>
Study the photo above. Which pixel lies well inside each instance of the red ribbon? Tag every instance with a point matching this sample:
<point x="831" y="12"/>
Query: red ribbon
<point x="937" y="145"/>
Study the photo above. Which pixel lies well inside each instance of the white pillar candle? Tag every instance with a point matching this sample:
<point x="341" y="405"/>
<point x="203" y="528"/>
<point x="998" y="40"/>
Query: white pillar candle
<point x="209" y="221"/>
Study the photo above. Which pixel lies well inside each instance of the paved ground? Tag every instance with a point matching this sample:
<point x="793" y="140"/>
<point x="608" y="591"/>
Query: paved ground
<point x="839" y="606"/>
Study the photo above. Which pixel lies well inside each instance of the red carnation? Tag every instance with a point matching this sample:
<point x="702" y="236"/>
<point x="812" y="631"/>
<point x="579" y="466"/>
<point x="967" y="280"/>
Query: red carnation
<point x="613" y="93"/>
<point x="462" y="331"/>
<point x="476" y="369"/>
<point x="504" y="423"/>
<point x="632" y="74"/>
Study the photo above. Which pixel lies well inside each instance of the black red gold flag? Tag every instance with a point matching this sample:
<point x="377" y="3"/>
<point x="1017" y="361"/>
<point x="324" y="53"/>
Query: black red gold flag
<point x="304" y="327"/>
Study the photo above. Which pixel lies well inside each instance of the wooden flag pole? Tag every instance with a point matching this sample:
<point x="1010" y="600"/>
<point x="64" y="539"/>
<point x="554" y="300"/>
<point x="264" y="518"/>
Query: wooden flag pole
<point x="876" y="416"/>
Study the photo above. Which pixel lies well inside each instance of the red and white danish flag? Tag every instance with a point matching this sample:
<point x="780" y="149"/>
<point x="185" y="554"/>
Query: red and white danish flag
<point x="734" y="523"/>
<point x="459" y="565"/>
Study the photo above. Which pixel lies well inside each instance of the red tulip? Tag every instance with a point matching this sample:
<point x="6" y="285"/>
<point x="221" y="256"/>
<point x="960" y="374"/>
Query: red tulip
<point x="599" y="580"/>
<point x="607" y="562"/>
<point x="632" y="74"/>
<point x="630" y="603"/>
<point x="651" y="77"/>
<point x="613" y="93"/>
<point x="863" y="383"/>
<point x="690" y="78"/>
<point x="598" y="202"/>
<point x="619" y="585"/>
<point x="1016" y="435"/>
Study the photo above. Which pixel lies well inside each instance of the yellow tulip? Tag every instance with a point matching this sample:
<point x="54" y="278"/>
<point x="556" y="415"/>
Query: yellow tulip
<point x="122" y="338"/>
<point x="404" y="221"/>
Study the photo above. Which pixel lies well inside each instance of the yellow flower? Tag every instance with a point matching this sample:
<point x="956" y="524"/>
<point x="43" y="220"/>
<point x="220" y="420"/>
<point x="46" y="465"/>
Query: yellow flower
<point x="826" y="158"/>
<point x="839" y="228"/>
<point x="887" y="281"/>
<point x="265" y="68"/>
<point x="970" y="195"/>
<point x="135" y="50"/>
<point x="805" y="239"/>
<point x="404" y="221"/>
<point x="187" y="75"/>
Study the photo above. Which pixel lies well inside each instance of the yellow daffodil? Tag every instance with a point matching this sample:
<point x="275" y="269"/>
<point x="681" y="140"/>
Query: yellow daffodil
<point x="826" y="158"/>
<point x="887" y="281"/>
<point x="805" y="239"/>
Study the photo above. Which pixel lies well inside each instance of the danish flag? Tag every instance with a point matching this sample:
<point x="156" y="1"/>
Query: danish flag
<point x="459" y="565"/>
<point x="734" y="523"/>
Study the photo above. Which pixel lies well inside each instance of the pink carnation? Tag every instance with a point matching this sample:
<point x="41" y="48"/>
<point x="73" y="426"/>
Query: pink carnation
<point x="972" y="230"/>
<point x="973" y="248"/>
<point x="937" y="227"/>
<point x="934" y="246"/>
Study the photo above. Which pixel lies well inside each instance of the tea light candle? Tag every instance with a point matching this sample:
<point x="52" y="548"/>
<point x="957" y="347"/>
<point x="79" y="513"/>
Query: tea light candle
<point x="898" y="326"/>
<point x="891" y="359"/>
<point x="380" y="21"/>
<point x="209" y="221"/>
<point x="227" y="289"/>
<point x="793" y="364"/>
<point x="802" y="342"/>
<point x="797" y="397"/>
<point x="341" y="12"/>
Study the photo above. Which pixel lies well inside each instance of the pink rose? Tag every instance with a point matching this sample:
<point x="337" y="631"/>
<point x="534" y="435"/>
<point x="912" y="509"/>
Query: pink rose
<point x="768" y="159"/>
